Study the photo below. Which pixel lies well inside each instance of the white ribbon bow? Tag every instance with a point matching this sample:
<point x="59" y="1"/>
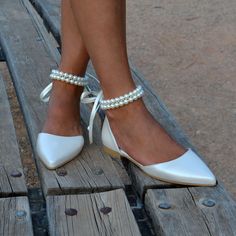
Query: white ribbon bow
<point x="92" y="97"/>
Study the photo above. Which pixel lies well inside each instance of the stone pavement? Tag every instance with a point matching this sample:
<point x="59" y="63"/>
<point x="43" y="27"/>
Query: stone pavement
<point x="187" y="51"/>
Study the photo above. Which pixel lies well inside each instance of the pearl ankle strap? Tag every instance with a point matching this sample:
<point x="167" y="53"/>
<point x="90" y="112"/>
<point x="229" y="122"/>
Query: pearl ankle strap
<point x="122" y="100"/>
<point x="65" y="77"/>
<point x="97" y="99"/>
<point x="69" y="78"/>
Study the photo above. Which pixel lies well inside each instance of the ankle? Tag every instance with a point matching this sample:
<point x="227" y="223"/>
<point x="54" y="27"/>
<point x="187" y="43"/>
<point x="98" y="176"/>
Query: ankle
<point x="126" y="111"/>
<point x="74" y="70"/>
<point x="61" y="88"/>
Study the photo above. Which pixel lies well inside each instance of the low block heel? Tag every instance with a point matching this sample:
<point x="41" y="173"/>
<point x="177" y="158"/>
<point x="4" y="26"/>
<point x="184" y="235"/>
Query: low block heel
<point x="111" y="152"/>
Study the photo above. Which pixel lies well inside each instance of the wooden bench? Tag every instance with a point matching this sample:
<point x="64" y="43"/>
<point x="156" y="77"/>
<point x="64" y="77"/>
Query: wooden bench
<point x="14" y="204"/>
<point x="88" y="196"/>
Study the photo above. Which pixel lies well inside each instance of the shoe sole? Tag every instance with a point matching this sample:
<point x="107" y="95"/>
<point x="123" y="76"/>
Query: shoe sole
<point x="115" y="154"/>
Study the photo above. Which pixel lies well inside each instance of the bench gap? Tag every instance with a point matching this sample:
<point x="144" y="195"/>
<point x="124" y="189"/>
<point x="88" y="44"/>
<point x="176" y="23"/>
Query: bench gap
<point x="2" y="56"/>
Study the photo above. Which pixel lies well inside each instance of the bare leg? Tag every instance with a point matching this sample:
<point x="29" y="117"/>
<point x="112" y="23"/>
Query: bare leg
<point x="63" y="111"/>
<point x="102" y="27"/>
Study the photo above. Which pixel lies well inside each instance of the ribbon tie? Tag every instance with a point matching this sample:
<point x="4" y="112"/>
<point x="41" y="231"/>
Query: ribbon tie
<point x="44" y="97"/>
<point x="92" y="97"/>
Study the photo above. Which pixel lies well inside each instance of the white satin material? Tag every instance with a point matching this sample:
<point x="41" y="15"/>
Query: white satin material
<point x="54" y="150"/>
<point x="44" y="97"/>
<point x="95" y="98"/>
<point x="188" y="169"/>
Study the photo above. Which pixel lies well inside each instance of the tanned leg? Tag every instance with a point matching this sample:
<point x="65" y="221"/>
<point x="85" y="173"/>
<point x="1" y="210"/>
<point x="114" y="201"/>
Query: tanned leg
<point x="63" y="111"/>
<point x="102" y="27"/>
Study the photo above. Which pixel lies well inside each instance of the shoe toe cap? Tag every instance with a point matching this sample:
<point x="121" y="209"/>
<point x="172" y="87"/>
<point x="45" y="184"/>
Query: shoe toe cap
<point x="54" y="150"/>
<point x="187" y="169"/>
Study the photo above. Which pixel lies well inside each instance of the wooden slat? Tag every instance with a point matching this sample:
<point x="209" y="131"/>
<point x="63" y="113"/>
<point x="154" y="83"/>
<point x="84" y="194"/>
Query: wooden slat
<point x="188" y="215"/>
<point x="10" y="161"/>
<point x="15" y="217"/>
<point x="183" y="218"/>
<point x="30" y="62"/>
<point x="220" y="219"/>
<point x="89" y="220"/>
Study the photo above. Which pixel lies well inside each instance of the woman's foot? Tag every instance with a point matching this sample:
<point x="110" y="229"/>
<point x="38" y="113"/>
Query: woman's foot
<point x="63" y="115"/>
<point x="139" y="135"/>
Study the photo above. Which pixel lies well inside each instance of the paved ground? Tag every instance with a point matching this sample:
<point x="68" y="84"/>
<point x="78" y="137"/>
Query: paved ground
<point x="187" y="50"/>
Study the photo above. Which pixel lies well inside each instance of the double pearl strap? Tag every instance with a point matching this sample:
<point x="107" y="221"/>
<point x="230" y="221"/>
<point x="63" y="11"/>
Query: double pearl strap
<point x="65" y="77"/>
<point x="122" y="100"/>
<point x="69" y="78"/>
<point x="99" y="102"/>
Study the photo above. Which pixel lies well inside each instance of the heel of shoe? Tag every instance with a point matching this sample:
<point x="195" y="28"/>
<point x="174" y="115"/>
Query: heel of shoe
<point x="111" y="152"/>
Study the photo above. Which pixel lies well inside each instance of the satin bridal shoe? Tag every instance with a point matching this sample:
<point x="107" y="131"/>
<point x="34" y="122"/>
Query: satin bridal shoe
<point x="55" y="150"/>
<point x="187" y="169"/>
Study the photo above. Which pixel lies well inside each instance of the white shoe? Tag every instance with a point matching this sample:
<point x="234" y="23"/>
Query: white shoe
<point x="188" y="169"/>
<point x="55" y="150"/>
